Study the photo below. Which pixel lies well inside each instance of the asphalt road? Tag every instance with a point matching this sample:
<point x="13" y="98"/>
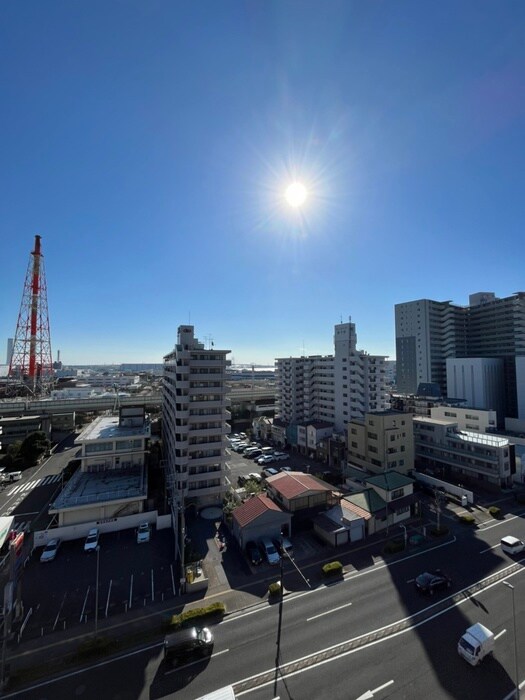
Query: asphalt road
<point x="407" y="647"/>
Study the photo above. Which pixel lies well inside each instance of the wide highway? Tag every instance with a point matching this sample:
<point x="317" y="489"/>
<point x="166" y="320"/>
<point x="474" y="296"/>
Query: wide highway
<point x="370" y="635"/>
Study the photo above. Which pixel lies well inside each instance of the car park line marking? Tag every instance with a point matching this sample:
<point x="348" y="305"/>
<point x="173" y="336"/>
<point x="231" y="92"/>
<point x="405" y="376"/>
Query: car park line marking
<point x="327" y="612"/>
<point x="130" y="590"/>
<point x="59" y="611"/>
<point x="500" y="634"/>
<point x="109" y="594"/>
<point x="172" y="580"/>
<point x="152" y="587"/>
<point x="84" y="606"/>
<point x="489" y="548"/>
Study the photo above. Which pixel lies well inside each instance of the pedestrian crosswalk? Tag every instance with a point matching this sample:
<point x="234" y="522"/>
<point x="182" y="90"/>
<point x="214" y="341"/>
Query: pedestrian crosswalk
<point x="44" y="481"/>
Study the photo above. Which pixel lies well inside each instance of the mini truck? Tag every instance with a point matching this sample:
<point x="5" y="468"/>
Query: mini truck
<point x="476" y="643"/>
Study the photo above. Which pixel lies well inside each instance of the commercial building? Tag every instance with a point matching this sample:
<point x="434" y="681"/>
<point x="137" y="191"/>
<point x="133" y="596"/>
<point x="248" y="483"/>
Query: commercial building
<point x="195" y="421"/>
<point x="444" y="450"/>
<point x="112" y="481"/>
<point x="473" y="419"/>
<point x="329" y="389"/>
<point x="428" y="332"/>
<point x="383" y="441"/>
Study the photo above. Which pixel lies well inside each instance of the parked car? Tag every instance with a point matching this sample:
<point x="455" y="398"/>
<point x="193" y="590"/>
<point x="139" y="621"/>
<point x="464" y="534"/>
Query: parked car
<point x="13" y="476"/>
<point x="432" y="581"/>
<point x="143" y="533"/>
<point x="256" y="477"/>
<point x="50" y="550"/>
<point x="187" y="643"/>
<point x="254" y="555"/>
<point x="269" y="551"/>
<point x="285" y="468"/>
<point x="269" y="471"/>
<point x="253" y="454"/>
<point x="280" y="456"/>
<point x="265" y="459"/>
<point x="91" y="542"/>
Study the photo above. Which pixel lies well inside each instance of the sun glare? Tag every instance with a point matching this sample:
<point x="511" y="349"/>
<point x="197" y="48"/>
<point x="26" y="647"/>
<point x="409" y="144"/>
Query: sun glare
<point x="296" y="194"/>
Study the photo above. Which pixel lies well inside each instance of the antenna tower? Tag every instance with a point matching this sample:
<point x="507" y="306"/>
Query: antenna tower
<point x="31" y="360"/>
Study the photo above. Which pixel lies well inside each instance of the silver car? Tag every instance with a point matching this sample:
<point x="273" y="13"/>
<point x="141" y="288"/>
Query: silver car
<point x="50" y="550"/>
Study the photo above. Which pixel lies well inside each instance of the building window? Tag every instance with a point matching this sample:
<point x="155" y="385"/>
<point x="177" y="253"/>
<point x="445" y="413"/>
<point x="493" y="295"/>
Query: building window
<point x="398" y="493"/>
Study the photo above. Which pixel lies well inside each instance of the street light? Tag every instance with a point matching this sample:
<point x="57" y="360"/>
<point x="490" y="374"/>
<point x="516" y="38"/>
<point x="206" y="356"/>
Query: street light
<point x="96" y="592"/>
<point x="509" y="585"/>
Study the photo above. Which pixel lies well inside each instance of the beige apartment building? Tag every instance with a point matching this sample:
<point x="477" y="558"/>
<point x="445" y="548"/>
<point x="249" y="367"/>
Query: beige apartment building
<point x="381" y="442"/>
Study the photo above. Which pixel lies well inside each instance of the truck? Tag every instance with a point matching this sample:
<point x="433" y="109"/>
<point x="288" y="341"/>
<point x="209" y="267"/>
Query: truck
<point x="476" y="643"/>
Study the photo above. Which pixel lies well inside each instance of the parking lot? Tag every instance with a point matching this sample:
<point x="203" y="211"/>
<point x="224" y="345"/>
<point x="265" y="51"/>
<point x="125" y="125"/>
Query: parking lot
<point x="62" y="593"/>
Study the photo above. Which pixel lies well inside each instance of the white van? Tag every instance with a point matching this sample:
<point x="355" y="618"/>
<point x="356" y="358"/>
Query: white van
<point x="512" y="545"/>
<point x="476" y="643"/>
<point x="13" y="476"/>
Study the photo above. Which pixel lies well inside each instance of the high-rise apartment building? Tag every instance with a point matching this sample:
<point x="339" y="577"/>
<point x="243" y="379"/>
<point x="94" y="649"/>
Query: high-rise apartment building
<point x="428" y="332"/>
<point x="332" y="388"/>
<point x="195" y="420"/>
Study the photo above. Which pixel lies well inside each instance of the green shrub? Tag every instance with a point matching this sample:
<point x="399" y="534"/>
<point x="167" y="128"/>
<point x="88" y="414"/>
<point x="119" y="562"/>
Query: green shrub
<point x="495" y="511"/>
<point x="394" y="546"/>
<point x="191" y="616"/>
<point x="95" y="646"/>
<point x="441" y="532"/>
<point x="274" y="588"/>
<point x="333" y="568"/>
<point x="467" y="519"/>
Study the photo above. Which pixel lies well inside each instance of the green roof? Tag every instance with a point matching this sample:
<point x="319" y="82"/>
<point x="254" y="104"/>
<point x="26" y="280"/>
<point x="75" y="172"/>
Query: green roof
<point x="368" y="499"/>
<point x="389" y="481"/>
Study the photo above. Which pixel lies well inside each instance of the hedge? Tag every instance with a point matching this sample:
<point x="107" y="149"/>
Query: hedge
<point x="394" y="546"/>
<point x="191" y="616"/>
<point x="95" y="646"/>
<point x="467" y="519"/>
<point x="439" y="533"/>
<point x="274" y="588"/>
<point x="495" y="511"/>
<point x="333" y="568"/>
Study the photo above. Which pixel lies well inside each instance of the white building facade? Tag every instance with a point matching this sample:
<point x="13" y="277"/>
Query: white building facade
<point x="478" y="380"/>
<point x="195" y="421"/>
<point x="333" y="388"/>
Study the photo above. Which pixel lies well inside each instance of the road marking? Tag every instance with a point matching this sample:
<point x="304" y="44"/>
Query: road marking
<point x="500" y="634"/>
<point x="84" y="606"/>
<point x="370" y="693"/>
<point x="192" y="663"/>
<point x="327" y="612"/>
<point x="489" y="548"/>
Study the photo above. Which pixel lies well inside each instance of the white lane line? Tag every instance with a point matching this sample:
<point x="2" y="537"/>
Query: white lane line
<point x="327" y="612"/>
<point x="370" y="693"/>
<point x="198" y="661"/>
<point x="500" y="634"/>
<point x="84" y="606"/>
<point x="489" y="548"/>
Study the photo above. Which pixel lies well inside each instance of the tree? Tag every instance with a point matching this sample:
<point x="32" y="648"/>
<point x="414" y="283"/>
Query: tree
<point x="33" y="447"/>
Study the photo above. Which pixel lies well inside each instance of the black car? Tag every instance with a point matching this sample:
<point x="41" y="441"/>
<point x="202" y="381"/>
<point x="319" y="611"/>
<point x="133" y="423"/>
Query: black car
<point x="254" y="555"/>
<point x="432" y="581"/>
<point x="187" y="643"/>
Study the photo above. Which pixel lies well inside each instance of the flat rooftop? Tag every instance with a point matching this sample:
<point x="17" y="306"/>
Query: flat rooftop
<point x="86" y="488"/>
<point x="108" y="427"/>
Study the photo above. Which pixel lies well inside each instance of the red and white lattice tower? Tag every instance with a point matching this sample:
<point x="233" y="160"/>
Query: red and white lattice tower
<point x="31" y="360"/>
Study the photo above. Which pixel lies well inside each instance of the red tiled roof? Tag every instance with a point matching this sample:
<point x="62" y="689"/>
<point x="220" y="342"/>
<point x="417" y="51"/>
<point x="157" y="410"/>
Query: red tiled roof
<point x="292" y="484"/>
<point x="251" y="509"/>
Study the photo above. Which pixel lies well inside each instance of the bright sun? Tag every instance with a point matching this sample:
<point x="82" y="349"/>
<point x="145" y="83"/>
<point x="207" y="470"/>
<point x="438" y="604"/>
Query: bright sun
<point x="296" y="194"/>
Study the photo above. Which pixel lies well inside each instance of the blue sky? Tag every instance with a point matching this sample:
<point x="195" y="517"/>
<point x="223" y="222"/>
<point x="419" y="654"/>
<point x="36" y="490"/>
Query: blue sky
<point x="149" y="144"/>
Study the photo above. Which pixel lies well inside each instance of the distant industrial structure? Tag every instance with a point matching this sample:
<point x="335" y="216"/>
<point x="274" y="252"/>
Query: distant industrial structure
<point x="31" y="360"/>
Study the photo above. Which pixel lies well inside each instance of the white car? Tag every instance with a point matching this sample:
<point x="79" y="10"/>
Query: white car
<point x="143" y="533"/>
<point x="91" y="542"/>
<point x="280" y="456"/>
<point x="265" y="459"/>
<point x="50" y="550"/>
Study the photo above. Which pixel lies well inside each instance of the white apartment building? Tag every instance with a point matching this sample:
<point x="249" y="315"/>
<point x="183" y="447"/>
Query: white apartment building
<point x="441" y="447"/>
<point x="332" y="388"/>
<point x="195" y="421"/>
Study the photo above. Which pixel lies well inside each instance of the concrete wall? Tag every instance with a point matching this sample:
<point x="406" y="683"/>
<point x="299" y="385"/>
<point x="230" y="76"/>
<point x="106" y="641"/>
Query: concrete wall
<point x="79" y="531"/>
